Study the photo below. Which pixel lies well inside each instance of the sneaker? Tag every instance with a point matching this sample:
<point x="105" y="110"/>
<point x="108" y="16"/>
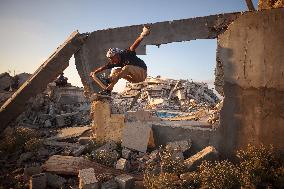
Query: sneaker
<point x="105" y="92"/>
<point x="105" y="81"/>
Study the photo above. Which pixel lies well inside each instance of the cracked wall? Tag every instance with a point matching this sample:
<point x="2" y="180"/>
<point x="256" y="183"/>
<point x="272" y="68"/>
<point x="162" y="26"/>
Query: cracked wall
<point x="251" y="55"/>
<point x="92" y="53"/>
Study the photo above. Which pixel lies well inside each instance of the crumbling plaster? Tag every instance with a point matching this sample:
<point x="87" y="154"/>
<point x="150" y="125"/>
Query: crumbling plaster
<point x="251" y="57"/>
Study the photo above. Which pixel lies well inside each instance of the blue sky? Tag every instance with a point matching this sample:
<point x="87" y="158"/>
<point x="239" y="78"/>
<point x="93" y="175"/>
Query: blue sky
<point x="32" y="29"/>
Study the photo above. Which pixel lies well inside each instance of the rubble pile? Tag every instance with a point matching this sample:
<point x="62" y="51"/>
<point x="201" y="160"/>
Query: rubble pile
<point x="169" y="98"/>
<point x="164" y="94"/>
<point x="55" y="107"/>
<point x="9" y="84"/>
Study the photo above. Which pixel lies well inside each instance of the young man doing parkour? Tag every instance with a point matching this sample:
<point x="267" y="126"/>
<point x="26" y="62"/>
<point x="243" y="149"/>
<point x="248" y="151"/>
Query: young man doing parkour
<point x="130" y="67"/>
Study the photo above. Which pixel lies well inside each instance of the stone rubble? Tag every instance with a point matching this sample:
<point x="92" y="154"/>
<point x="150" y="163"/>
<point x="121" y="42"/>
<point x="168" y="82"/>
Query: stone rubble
<point x="168" y="98"/>
<point x="55" y="107"/>
<point x="61" y="115"/>
<point x="164" y="94"/>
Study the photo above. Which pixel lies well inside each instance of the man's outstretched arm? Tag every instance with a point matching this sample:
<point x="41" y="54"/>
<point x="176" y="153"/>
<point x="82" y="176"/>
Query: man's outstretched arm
<point x="145" y="32"/>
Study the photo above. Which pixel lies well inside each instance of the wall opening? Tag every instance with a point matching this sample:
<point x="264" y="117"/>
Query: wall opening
<point x="192" y="60"/>
<point x="72" y="74"/>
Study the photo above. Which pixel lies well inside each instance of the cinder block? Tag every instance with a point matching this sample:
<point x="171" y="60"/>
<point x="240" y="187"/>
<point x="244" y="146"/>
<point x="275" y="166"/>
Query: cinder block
<point x="136" y="135"/>
<point x="87" y="179"/>
<point x="125" y="181"/>
<point x="38" y="181"/>
<point x="122" y="164"/>
<point x="111" y="184"/>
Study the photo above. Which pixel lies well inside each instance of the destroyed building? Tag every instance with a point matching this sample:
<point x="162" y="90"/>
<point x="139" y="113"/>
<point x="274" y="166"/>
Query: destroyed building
<point x="164" y="94"/>
<point x="249" y="75"/>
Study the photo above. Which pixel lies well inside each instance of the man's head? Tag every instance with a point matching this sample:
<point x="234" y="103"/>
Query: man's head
<point x="113" y="54"/>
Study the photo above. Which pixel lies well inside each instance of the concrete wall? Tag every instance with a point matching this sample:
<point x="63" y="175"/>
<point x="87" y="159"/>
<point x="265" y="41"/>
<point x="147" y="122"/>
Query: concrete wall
<point x="251" y="55"/>
<point x="92" y="53"/>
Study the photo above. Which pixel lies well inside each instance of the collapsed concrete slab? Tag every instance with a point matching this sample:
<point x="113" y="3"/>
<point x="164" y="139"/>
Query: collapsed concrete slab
<point x="92" y="53"/>
<point x="208" y="153"/>
<point x="61" y="165"/>
<point x="250" y="54"/>
<point x="45" y="74"/>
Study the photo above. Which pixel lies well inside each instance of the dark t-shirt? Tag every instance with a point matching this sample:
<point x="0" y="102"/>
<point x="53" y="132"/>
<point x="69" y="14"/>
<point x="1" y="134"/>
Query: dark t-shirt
<point x="127" y="58"/>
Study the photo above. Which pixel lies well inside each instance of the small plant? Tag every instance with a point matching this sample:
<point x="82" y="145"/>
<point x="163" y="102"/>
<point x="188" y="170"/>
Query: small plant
<point x="260" y="166"/>
<point x="171" y="162"/>
<point x="219" y="174"/>
<point x="162" y="181"/>
<point x="105" y="157"/>
<point x="164" y="174"/>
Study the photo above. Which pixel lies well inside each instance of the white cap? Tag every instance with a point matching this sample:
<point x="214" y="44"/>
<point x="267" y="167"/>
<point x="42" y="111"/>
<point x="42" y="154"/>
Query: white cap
<point x="113" y="51"/>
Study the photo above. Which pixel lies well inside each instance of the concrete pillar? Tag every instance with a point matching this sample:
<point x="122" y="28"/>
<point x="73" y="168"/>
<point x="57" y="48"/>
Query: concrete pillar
<point x="106" y="126"/>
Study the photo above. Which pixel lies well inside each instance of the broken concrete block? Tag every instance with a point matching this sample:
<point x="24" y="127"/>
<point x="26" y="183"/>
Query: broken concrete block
<point x="106" y="126"/>
<point x="136" y="135"/>
<point x="55" y="181"/>
<point x="126" y="153"/>
<point x="125" y="181"/>
<point x="24" y="157"/>
<point x="85" y="140"/>
<point x="38" y="181"/>
<point x="87" y="179"/>
<point x="122" y="164"/>
<point x="63" y="120"/>
<point x="77" y="152"/>
<point x="208" y="153"/>
<point x="70" y="132"/>
<point x="111" y="184"/>
<point x="47" y="123"/>
<point x="29" y="171"/>
<point x="183" y="145"/>
<point x="61" y="165"/>
<point x="109" y="146"/>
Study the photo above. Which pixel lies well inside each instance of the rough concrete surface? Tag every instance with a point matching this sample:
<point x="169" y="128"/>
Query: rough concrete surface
<point x="136" y="135"/>
<point x="106" y="126"/>
<point x="251" y="54"/>
<point x="92" y="53"/>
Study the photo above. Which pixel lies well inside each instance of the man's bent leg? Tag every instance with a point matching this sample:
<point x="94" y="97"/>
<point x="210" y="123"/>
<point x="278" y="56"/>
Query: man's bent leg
<point x="133" y="74"/>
